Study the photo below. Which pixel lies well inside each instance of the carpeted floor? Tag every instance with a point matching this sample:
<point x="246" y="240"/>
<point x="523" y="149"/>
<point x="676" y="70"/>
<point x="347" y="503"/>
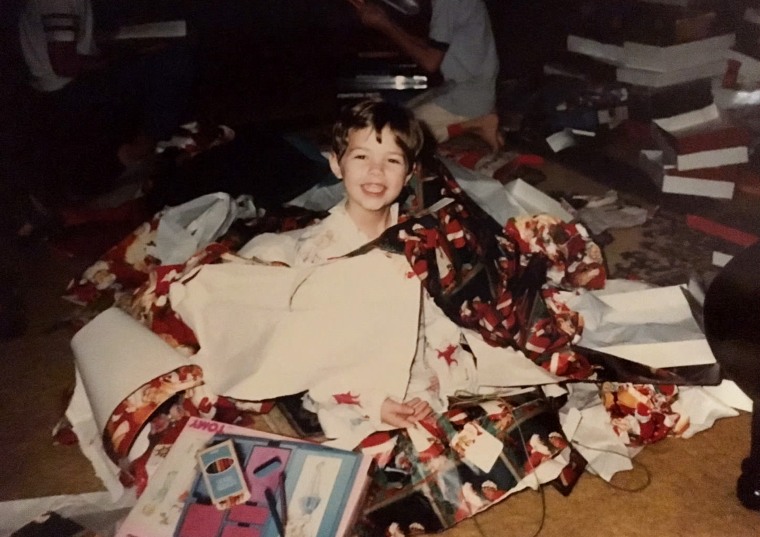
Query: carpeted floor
<point x="679" y="487"/>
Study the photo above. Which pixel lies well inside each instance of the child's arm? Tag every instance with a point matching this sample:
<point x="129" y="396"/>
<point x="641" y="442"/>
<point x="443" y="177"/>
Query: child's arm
<point x="405" y="414"/>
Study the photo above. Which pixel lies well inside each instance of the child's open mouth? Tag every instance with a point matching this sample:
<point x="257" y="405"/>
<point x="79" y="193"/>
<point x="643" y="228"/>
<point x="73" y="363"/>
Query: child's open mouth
<point x="373" y="188"/>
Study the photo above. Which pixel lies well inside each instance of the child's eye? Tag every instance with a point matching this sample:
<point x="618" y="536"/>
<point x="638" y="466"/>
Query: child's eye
<point x="395" y="160"/>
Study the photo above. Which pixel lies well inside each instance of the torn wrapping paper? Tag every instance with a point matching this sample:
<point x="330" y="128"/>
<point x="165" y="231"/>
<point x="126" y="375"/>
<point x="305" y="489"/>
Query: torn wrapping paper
<point x="451" y="252"/>
<point x="601" y="213"/>
<point x="135" y="356"/>
<point x="447" y="249"/>
<point x="643" y="414"/>
<point x="505" y="366"/>
<point x="244" y="340"/>
<point x="605" y="440"/>
<point x="728" y="393"/>
<point x="503" y="166"/>
<point x="654" y="326"/>
<point x="702" y="409"/>
<point x="502" y="202"/>
<point x="443" y="471"/>
<point x="604" y="451"/>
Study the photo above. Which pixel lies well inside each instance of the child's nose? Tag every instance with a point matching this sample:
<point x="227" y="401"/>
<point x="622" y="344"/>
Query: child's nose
<point x="376" y="166"/>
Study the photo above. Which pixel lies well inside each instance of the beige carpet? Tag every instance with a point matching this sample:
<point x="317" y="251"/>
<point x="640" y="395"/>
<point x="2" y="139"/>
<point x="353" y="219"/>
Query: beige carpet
<point x="691" y="492"/>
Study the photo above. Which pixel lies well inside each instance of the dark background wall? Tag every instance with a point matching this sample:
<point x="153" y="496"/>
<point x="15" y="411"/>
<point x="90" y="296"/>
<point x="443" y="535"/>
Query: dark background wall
<point x="272" y="55"/>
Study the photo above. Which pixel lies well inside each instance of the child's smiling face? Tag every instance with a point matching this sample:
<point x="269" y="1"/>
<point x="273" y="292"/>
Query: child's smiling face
<point x="373" y="172"/>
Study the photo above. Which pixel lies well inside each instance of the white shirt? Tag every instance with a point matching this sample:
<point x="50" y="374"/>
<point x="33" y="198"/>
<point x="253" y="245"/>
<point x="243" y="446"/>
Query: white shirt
<point x="335" y="236"/>
<point x="471" y="64"/>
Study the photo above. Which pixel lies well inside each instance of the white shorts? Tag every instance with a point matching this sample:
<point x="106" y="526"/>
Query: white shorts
<point x="437" y="118"/>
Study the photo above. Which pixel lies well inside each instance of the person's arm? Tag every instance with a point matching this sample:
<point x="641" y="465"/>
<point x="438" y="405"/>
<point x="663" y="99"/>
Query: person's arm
<point x="419" y="49"/>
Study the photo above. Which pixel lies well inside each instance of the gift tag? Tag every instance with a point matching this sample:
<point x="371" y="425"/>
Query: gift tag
<point x="477" y="445"/>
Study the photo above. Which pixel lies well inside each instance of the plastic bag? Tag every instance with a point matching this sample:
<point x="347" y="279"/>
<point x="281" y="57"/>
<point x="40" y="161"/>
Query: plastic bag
<point x="186" y="228"/>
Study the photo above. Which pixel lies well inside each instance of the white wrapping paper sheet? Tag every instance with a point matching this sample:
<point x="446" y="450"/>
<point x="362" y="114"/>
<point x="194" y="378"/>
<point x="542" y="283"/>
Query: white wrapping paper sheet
<point x="292" y="331"/>
<point x="653" y="326"/>
<point x="728" y="393"/>
<point x="702" y="408"/>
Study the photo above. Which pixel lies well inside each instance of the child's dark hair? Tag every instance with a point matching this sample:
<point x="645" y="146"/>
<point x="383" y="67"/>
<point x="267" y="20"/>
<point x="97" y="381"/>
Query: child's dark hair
<point x="378" y="114"/>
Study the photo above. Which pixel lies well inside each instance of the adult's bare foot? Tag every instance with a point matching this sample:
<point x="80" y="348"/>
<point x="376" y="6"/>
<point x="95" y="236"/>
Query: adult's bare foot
<point x="487" y="128"/>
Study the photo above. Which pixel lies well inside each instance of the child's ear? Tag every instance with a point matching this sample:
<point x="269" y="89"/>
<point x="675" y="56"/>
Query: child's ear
<point x="335" y="165"/>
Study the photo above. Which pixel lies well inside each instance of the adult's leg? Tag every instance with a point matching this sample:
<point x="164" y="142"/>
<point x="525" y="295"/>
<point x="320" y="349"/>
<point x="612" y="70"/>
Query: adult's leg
<point x="445" y="125"/>
<point x="437" y="119"/>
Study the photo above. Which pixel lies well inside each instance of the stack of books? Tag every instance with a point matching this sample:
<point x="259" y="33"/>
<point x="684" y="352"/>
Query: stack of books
<point x="665" y="54"/>
<point x="699" y="153"/>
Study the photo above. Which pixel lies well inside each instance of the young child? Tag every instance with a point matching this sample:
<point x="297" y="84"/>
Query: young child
<point x="375" y="149"/>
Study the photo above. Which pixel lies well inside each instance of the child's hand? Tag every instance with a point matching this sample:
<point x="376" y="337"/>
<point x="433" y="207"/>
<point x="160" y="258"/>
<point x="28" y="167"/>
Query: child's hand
<point x="406" y="414"/>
